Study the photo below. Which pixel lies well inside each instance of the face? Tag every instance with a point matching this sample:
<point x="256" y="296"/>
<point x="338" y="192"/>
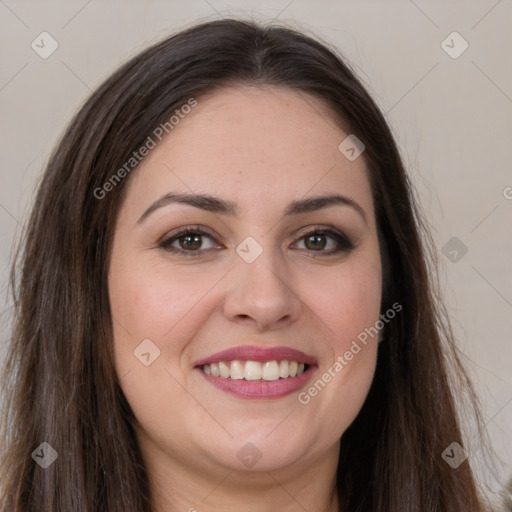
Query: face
<point x="211" y="326"/>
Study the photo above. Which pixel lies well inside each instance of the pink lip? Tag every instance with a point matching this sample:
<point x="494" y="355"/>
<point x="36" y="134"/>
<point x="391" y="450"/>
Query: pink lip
<point x="253" y="353"/>
<point x="260" y="389"/>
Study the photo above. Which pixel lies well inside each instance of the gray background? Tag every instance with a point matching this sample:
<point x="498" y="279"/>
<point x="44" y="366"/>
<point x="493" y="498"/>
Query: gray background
<point x="451" y="116"/>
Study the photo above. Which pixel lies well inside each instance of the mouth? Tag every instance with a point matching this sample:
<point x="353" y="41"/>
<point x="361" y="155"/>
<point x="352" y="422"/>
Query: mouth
<point x="254" y="370"/>
<point x="256" y="373"/>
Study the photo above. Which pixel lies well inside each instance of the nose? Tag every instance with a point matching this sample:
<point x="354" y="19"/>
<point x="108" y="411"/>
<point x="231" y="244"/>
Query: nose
<point x="262" y="293"/>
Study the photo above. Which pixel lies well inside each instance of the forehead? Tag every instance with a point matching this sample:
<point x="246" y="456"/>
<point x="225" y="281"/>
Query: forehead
<point x="253" y="144"/>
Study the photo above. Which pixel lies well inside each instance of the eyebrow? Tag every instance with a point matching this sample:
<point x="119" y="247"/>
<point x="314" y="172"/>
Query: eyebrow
<point x="217" y="205"/>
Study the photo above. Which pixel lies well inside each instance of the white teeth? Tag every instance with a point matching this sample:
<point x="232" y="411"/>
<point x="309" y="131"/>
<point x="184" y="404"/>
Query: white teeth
<point x="223" y="369"/>
<point x="254" y="370"/>
<point x="237" y="370"/>
<point x="214" y="367"/>
<point x="270" y="370"/>
<point x="284" y="369"/>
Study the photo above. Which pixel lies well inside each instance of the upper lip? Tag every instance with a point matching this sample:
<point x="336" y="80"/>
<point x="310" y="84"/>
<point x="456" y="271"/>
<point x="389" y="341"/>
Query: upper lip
<point x="261" y="354"/>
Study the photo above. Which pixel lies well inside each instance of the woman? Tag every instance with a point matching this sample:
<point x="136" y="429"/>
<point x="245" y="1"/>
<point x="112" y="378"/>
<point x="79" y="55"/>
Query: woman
<point x="224" y="301"/>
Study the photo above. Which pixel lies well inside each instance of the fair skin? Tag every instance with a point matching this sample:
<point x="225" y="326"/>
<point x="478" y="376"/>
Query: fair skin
<point x="261" y="147"/>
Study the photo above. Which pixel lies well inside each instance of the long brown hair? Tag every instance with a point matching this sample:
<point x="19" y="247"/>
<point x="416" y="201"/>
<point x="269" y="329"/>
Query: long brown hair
<point x="59" y="380"/>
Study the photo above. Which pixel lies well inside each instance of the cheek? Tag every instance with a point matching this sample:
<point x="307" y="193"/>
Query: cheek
<point x="347" y="301"/>
<point x="348" y="309"/>
<point x="145" y="298"/>
<point x="348" y="306"/>
<point x="151" y="300"/>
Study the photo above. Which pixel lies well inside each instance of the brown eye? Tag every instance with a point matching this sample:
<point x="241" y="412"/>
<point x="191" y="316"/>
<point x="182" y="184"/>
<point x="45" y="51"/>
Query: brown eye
<point x="193" y="242"/>
<point x="318" y="240"/>
<point x="315" y="242"/>
<point x="188" y="242"/>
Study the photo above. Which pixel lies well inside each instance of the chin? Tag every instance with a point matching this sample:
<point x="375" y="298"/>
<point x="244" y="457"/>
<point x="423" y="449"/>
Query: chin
<point x="259" y="449"/>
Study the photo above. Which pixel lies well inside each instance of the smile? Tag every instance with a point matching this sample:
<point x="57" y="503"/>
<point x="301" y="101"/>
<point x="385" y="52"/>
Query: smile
<point x="255" y="370"/>
<point x="258" y="373"/>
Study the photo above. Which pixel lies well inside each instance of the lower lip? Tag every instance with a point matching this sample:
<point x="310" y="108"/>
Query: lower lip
<point x="260" y="389"/>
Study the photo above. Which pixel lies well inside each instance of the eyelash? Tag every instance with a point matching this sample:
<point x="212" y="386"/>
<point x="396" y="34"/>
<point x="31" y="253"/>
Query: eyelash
<point x="344" y="243"/>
